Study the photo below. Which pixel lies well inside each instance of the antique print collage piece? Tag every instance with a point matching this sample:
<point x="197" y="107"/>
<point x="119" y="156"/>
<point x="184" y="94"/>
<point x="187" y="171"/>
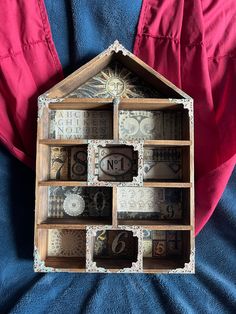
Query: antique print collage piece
<point x="78" y="163"/>
<point x="117" y="163"/>
<point x="80" y="124"/>
<point x="149" y="125"/>
<point x="160" y="244"/>
<point x="111" y="163"/>
<point x="149" y="203"/>
<point x="162" y="163"/>
<point x="59" y="163"/>
<point x="115" y="171"/>
<point x="68" y="163"/>
<point x="115" y="80"/>
<point x="66" y="243"/>
<point x="77" y="202"/>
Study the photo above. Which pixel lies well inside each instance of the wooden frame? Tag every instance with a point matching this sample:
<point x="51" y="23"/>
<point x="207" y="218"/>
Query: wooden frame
<point x="163" y="233"/>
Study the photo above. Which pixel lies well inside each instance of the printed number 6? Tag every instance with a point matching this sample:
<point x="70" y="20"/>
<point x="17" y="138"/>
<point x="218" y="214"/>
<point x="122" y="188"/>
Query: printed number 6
<point x="119" y="246"/>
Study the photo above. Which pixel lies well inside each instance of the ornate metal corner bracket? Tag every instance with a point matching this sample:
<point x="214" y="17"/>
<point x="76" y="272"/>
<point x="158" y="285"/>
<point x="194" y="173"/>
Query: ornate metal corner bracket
<point x="187" y="104"/>
<point x="43" y="102"/>
<point x="115" y="47"/>
<point x="189" y="268"/>
<point x="39" y="265"/>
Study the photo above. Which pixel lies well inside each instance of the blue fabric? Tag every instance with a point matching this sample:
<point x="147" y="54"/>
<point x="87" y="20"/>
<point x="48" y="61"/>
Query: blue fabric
<point x="81" y="29"/>
<point x="211" y="290"/>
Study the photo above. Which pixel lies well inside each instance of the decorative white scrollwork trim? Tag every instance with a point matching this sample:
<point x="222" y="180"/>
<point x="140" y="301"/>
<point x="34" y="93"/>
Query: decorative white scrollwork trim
<point x="187" y="104"/>
<point x="137" y="267"/>
<point x="115" y="47"/>
<point x="39" y="265"/>
<point x="189" y="268"/>
<point x="43" y="102"/>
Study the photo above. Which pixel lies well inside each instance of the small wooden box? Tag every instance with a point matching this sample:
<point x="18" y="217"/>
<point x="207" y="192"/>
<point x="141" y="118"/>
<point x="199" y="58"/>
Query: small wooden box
<point x="115" y="172"/>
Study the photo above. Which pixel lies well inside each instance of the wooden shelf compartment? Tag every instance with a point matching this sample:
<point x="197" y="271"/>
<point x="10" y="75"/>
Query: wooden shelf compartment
<point x="62" y="161"/>
<point x="112" y="249"/>
<point x="144" y="121"/>
<point x="63" y="248"/>
<point x="166" y="250"/>
<point x="166" y="163"/>
<point x="83" y="121"/>
<point x="156" y="208"/>
<point x="78" y="205"/>
<point x="72" y="167"/>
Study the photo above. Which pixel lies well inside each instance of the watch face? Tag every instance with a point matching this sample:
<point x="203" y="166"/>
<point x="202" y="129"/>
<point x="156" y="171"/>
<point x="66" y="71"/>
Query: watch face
<point x="74" y="205"/>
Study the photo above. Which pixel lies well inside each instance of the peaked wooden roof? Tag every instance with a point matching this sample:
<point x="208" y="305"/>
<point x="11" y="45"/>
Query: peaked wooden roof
<point x="86" y="82"/>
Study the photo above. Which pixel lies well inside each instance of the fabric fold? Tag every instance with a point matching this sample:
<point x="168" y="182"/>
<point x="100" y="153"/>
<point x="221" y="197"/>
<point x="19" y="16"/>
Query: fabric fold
<point x="29" y="65"/>
<point x="183" y="46"/>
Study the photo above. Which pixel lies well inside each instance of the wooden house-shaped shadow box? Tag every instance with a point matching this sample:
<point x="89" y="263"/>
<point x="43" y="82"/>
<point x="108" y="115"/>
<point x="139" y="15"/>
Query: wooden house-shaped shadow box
<point x="115" y="176"/>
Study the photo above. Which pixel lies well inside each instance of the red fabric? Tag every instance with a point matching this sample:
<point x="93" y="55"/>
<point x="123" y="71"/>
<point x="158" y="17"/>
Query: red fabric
<point x="193" y="44"/>
<point x="29" y="65"/>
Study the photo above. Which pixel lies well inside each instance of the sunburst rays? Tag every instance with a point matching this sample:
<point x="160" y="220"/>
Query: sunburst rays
<point x="114" y="80"/>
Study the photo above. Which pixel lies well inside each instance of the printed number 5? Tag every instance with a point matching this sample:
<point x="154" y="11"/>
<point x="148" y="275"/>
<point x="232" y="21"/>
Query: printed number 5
<point x="159" y="250"/>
